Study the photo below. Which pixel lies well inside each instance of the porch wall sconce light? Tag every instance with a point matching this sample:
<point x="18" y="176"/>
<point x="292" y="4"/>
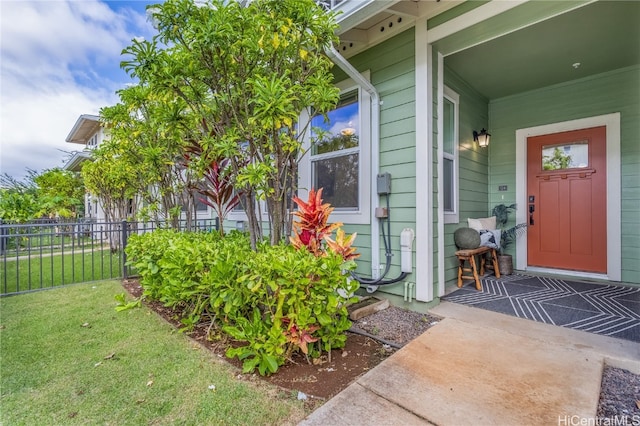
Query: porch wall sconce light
<point x="482" y="138"/>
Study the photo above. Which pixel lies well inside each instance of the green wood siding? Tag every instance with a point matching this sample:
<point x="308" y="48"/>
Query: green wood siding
<point x="363" y="244"/>
<point x="394" y="78"/>
<point x="473" y="177"/>
<point x="617" y="91"/>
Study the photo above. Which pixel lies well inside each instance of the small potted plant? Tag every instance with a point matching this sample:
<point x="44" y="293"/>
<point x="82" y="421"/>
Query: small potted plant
<point x="508" y="236"/>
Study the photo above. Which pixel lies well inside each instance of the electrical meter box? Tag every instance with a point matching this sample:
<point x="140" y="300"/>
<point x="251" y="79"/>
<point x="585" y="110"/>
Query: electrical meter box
<point x="384" y="183"/>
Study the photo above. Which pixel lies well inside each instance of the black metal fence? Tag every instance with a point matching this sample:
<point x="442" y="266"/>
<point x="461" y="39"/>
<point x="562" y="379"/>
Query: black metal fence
<point x="50" y="253"/>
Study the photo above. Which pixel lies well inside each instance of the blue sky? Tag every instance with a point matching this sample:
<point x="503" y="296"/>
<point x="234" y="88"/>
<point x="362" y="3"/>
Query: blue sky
<point x="59" y="59"/>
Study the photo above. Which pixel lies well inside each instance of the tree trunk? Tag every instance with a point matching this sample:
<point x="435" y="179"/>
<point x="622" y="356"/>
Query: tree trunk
<point x="255" y="231"/>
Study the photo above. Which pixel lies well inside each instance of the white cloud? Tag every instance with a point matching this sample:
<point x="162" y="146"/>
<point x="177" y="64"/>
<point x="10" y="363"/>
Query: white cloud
<point x="60" y="59"/>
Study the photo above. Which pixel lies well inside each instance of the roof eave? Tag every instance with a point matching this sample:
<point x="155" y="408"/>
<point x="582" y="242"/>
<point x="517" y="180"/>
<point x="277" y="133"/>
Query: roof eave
<point x="75" y="162"/>
<point x="356" y="12"/>
<point x="85" y="127"/>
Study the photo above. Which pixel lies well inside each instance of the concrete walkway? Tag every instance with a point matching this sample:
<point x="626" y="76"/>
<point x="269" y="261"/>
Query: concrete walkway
<point x="483" y="368"/>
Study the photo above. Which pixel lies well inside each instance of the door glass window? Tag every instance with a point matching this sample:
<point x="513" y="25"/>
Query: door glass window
<point x="574" y="155"/>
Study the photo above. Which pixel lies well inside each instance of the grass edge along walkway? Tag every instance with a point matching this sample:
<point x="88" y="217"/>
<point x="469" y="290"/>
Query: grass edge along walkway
<point x="67" y="357"/>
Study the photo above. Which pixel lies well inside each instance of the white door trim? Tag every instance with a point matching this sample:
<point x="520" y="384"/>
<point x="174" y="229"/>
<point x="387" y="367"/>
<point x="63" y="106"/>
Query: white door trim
<point x="612" y="123"/>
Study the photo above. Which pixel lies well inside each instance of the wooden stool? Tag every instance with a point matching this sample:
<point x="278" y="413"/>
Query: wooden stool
<point x="469" y="255"/>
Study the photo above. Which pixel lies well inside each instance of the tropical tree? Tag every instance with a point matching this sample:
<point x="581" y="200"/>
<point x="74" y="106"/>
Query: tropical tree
<point x="112" y="178"/>
<point x="147" y="129"/>
<point x="60" y="193"/>
<point x="51" y="193"/>
<point x="18" y="201"/>
<point x="16" y="206"/>
<point x="244" y="73"/>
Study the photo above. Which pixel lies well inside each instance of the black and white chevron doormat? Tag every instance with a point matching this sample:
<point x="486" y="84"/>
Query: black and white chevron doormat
<point x="610" y="310"/>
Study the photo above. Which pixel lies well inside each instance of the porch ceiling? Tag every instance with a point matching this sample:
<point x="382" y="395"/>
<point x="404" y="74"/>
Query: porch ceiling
<point x="601" y="36"/>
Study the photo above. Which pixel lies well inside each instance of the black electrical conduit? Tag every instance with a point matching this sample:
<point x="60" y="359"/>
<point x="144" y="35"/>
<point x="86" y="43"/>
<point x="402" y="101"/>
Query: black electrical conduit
<point x="356" y="330"/>
<point x="386" y="238"/>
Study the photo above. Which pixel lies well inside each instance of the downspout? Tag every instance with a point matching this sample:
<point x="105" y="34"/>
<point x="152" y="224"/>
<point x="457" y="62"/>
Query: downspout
<point x="345" y="66"/>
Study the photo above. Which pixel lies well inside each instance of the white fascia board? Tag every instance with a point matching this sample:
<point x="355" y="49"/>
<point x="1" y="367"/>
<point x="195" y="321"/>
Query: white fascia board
<point x="80" y="123"/>
<point x="355" y="12"/>
<point x="488" y="11"/>
<point x="76" y="160"/>
<point x="471" y="18"/>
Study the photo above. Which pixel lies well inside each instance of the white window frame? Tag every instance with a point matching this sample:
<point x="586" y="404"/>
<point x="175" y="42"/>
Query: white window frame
<point x="362" y="214"/>
<point x="454" y="98"/>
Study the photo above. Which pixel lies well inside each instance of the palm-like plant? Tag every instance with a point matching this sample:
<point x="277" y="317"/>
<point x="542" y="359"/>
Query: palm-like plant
<point x="509" y="235"/>
<point x="219" y="192"/>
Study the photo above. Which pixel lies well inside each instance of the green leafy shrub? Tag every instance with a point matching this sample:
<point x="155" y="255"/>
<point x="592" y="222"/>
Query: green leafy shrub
<point x="144" y="252"/>
<point x="297" y="298"/>
<point x="190" y="272"/>
<point x="277" y="300"/>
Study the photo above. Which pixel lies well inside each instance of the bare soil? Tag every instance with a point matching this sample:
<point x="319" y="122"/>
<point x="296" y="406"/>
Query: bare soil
<point x="374" y="338"/>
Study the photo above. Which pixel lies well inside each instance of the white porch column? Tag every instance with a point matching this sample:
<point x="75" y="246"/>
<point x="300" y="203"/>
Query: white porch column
<point x="439" y="98"/>
<point x="424" y="164"/>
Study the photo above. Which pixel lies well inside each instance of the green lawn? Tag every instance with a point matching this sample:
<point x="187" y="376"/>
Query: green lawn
<point x="68" y="358"/>
<point x="43" y="270"/>
<point x="48" y="243"/>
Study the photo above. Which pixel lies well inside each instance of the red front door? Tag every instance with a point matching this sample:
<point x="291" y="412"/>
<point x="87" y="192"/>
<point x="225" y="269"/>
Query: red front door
<point x="567" y="200"/>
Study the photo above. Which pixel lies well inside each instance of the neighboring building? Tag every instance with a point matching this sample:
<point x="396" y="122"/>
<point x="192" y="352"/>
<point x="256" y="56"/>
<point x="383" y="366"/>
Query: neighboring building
<point x="419" y="77"/>
<point x="88" y="133"/>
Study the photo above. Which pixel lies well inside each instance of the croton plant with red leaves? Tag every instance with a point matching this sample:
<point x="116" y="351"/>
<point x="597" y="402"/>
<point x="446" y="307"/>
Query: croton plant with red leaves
<point x="313" y="228"/>
<point x="298" y="336"/>
<point x="313" y="232"/>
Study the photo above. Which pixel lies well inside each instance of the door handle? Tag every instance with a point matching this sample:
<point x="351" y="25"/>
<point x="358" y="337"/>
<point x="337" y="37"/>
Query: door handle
<point x="532" y="208"/>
